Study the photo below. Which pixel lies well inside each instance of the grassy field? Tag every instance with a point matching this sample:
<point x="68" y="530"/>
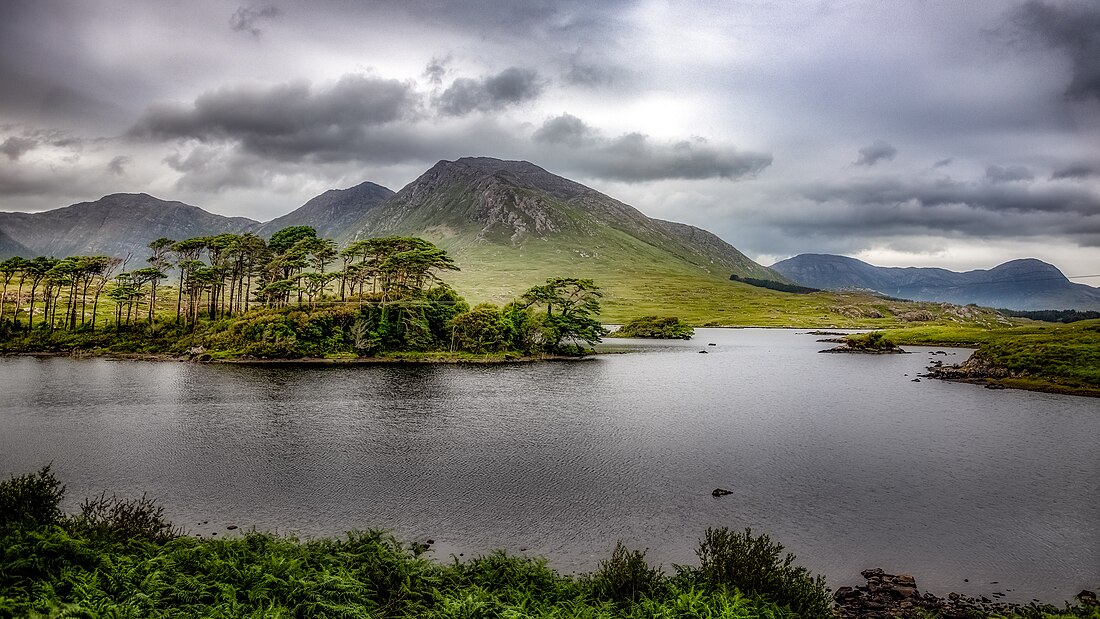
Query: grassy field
<point x="636" y="287"/>
<point x="1040" y="356"/>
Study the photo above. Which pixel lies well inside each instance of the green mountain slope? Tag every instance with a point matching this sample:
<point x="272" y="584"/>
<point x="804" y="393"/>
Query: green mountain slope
<point x="511" y="224"/>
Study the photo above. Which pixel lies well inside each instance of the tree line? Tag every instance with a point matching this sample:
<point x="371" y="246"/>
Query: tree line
<point x="293" y="294"/>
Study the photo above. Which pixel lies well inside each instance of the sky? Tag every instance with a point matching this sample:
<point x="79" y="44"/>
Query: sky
<point x="904" y="133"/>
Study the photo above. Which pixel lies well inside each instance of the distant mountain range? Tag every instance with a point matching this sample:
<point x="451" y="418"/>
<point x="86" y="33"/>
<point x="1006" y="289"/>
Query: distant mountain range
<point x="508" y="224"/>
<point x="1026" y="284"/>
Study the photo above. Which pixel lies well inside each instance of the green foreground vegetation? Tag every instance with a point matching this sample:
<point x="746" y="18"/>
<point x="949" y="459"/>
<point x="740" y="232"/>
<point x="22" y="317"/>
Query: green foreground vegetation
<point x="122" y="558"/>
<point x="275" y="299"/>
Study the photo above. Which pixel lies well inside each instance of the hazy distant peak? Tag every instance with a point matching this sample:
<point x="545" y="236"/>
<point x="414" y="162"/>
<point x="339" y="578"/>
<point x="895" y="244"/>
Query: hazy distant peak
<point x="1026" y="283"/>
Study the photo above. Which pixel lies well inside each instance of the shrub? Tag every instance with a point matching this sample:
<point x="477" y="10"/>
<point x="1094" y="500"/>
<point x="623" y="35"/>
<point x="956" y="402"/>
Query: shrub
<point x="626" y="577"/>
<point x="753" y="566"/>
<point x="31" y="500"/>
<point x="123" y="519"/>
<point x="656" y="327"/>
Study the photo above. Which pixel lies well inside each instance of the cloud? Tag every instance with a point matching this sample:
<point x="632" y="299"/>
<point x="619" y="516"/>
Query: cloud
<point x="592" y="75"/>
<point x="246" y="19"/>
<point x="15" y="146"/>
<point x="942" y="163"/>
<point x="893" y="195"/>
<point x="1073" y="28"/>
<point x="876" y="152"/>
<point x="437" y="70"/>
<point x="117" y="165"/>
<point x="633" y="157"/>
<point x="288" y="121"/>
<point x="1009" y="174"/>
<point x="1075" y="171"/>
<point x="565" y="129"/>
<point x="489" y="94"/>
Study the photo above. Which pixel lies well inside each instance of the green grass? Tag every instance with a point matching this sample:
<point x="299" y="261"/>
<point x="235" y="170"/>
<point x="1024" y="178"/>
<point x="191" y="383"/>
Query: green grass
<point x="640" y="280"/>
<point x="1043" y="356"/>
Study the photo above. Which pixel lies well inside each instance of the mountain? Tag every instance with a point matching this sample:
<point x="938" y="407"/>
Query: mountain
<point x="333" y="212"/>
<point x="1027" y="284"/>
<point x="114" y="225"/>
<point x="10" y="247"/>
<point x="511" y="224"/>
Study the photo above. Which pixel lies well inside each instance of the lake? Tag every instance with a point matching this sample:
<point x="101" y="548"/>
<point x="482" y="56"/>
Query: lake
<point x="842" y="458"/>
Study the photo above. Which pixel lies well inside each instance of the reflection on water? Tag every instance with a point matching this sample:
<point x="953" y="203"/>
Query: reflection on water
<point x="842" y="458"/>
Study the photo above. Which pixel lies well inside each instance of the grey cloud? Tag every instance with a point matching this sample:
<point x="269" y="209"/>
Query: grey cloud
<point x="565" y="129"/>
<point x="889" y="210"/>
<point x="488" y="94"/>
<point x="117" y="165"/>
<point x="876" y="152"/>
<point x="437" y="70"/>
<point x="591" y="75"/>
<point x="942" y="163"/>
<point x="892" y="194"/>
<point x="246" y="19"/>
<point x="1073" y="28"/>
<point x="288" y="121"/>
<point x="633" y="157"/>
<point x="1075" y="172"/>
<point x="1008" y="174"/>
<point x="15" y="146"/>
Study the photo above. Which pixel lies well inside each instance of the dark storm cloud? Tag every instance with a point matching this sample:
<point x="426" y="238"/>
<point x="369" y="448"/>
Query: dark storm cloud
<point x="489" y="94"/>
<point x="247" y="18"/>
<point x="117" y="165"/>
<point x="1073" y="28"/>
<point x="1008" y="174"/>
<point x="288" y="121"/>
<point x="876" y="152"/>
<point x="1075" y="172"/>
<point x="15" y="146"/>
<point x="633" y="157"/>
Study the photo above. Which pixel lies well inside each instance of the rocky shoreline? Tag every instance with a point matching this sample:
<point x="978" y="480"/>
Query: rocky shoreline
<point x="896" y="595"/>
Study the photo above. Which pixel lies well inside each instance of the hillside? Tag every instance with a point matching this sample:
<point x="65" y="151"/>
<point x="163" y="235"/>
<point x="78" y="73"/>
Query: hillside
<point x="115" y="225"/>
<point x="10" y="247"/>
<point x="332" y="213"/>
<point x="1026" y="284"/>
<point x="511" y="224"/>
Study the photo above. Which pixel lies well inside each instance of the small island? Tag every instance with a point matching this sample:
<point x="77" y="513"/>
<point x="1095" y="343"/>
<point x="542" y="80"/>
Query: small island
<point x="873" y="343"/>
<point x="655" y="327"/>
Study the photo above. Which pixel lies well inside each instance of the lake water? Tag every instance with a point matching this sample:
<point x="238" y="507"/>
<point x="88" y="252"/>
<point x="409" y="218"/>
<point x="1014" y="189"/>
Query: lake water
<point x="842" y="458"/>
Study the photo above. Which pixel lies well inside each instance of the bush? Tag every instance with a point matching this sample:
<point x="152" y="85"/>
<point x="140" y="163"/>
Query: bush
<point x="124" y="519"/>
<point x="875" y="340"/>
<point x="626" y="577"/>
<point x="656" y="327"/>
<point x="753" y="566"/>
<point x="31" y="500"/>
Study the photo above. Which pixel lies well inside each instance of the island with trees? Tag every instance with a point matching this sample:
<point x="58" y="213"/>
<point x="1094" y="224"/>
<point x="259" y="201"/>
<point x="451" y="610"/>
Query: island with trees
<point x="234" y="296"/>
<point x="655" y="327"/>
